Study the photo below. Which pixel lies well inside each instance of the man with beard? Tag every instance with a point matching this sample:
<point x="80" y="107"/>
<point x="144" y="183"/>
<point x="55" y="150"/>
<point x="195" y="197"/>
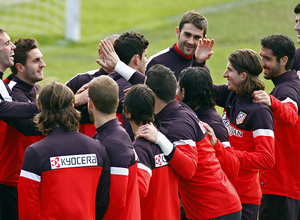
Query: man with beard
<point x="280" y="185"/>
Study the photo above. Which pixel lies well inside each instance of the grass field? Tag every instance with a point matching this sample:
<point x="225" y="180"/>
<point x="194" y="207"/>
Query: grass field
<point x="234" y="24"/>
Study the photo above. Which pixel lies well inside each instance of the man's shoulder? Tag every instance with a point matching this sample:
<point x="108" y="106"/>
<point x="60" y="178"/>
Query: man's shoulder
<point x="155" y="58"/>
<point x="80" y="79"/>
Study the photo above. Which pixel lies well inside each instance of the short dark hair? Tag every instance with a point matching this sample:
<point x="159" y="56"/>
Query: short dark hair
<point x="104" y="92"/>
<point x="162" y="81"/>
<point x="248" y="61"/>
<point x="130" y="44"/>
<point x="196" y="19"/>
<point x="281" y="45"/>
<point x="23" y="46"/>
<point x="297" y="9"/>
<point x="198" y="87"/>
<point x="139" y="101"/>
<point x="2" y="31"/>
<point x="55" y="102"/>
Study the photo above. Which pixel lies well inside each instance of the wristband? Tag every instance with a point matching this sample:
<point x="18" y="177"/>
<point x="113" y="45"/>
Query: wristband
<point x="124" y="70"/>
<point x="165" y="145"/>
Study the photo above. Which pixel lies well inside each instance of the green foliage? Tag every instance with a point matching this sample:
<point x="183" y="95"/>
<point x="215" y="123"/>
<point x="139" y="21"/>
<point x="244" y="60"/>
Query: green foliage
<point x="234" y="24"/>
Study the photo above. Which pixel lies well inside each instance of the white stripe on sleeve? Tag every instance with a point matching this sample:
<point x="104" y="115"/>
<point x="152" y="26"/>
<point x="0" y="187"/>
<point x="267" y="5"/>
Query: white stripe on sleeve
<point x="290" y="100"/>
<point x="119" y="171"/>
<point x="226" y="144"/>
<point x="30" y="175"/>
<point x="263" y="132"/>
<point x="144" y="167"/>
<point x="185" y="142"/>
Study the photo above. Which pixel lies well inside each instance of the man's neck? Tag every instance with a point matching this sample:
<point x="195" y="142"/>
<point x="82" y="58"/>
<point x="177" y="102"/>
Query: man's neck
<point x="101" y="118"/>
<point x="24" y="79"/>
<point x="160" y="105"/>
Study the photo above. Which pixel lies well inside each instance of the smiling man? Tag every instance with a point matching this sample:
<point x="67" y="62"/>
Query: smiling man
<point x="280" y="185"/>
<point x="192" y="27"/>
<point x="250" y="126"/>
<point x="27" y="70"/>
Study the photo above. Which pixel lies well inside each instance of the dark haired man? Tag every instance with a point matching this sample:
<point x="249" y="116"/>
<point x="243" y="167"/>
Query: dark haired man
<point x="195" y="88"/>
<point x="131" y="47"/>
<point x="280" y="185"/>
<point x="123" y="194"/>
<point x="192" y="27"/>
<point x="65" y="175"/>
<point x="27" y="70"/>
<point x="202" y="183"/>
<point x="182" y="127"/>
<point x="155" y="175"/>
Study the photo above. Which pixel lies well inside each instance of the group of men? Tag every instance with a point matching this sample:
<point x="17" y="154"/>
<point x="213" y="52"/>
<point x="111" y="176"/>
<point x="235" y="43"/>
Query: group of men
<point x="138" y="166"/>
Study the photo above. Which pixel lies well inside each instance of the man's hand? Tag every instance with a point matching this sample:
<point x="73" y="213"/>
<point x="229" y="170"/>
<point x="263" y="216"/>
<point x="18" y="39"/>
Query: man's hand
<point x="147" y="131"/>
<point x="108" y="57"/>
<point x="204" y="49"/>
<point x="82" y="95"/>
<point x="211" y="134"/>
<point x="260" y="96"/>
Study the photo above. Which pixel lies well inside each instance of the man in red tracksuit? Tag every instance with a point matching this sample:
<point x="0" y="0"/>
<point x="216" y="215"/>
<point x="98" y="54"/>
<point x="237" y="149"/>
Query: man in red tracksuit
<point x="27" y="70"/>
<point x="281" y="184"/>
<point x="65" y="175"/>
<point x="124" y="200"/>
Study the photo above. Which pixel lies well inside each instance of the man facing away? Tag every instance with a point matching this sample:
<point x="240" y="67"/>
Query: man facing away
<point x="65" y="175"/>
<point x="155" y="175"/>
<point x="124" y="200"/>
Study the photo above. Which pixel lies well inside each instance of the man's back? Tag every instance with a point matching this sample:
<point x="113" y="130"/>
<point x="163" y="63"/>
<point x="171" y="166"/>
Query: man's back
<point x="208" y="183"/>
<point x="124" y="195"/>
<point x="61" y="175"/>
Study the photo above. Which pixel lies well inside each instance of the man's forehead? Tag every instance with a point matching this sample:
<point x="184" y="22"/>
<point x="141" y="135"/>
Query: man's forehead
<point x="4" y="37"/>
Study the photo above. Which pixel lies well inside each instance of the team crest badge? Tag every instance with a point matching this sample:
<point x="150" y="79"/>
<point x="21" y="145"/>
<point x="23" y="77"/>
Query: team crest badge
<point x="240" y="118"/>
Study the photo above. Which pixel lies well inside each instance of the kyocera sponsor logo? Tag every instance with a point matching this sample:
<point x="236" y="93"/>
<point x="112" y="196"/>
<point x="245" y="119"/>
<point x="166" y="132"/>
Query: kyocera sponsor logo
<point x="160" y="160"/>
<point x="82" y="160"/>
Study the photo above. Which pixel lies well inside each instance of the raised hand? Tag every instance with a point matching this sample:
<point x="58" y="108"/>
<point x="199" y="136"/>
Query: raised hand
<point x="108" y="58"/>
<point x="204" y="49"/>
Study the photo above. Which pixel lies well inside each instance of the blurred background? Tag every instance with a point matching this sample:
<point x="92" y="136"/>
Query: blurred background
<point x="234" y="24"/>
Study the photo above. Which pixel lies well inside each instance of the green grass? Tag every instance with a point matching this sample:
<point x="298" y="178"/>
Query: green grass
<point x="234" y="24"/>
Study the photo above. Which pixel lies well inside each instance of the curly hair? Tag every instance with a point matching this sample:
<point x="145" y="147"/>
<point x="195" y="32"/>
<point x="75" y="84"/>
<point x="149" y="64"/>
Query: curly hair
<point x="198" y="87"/>
<point x="130" y="44"/>
<point x="281" y="45"/>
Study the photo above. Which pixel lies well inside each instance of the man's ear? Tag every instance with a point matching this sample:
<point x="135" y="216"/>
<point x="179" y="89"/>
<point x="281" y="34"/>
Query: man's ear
<point x="244" y="75"/>
<point x="177" y="32"/>
<point x="90" y="104"/>
<point x="19" y="67"/>
<point x="127" y="113"/>
<point x="182" y="92"/>
<point x="283" y="61"/>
